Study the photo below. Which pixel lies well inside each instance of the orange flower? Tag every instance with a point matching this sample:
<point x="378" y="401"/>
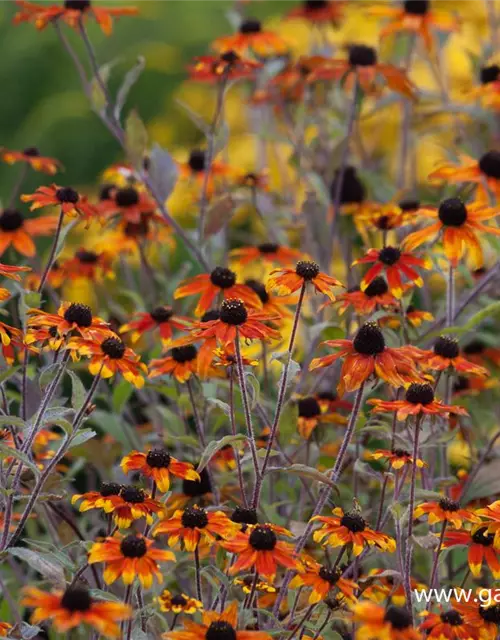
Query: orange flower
<point x="11" y="272"/>
<point x="220" y="281"/>
<point x="384" y="217"/>
<point x="193" y="525"/>
<point x="73" y="12"/>
<point x="483" y="618"/>
<point x="492" y="515"/>
<point x="31" y="156"/>
<point x="391" y="623"/>
<point x="182" y="364"/>
<point x="10" y="337"/>
<point x="445" y="510"/>
<point x="98" y="499"/>
<point x="132" y="503"/>
<point x="419" y="399"/>
<point x="446" y="355"/>
<point x="73" y="607"/>
<point x="319" y="11"/>
<point x="158" y="464"/>
<point x="397" y="458"/>
<point x="127" y="202"/>
<point x="350" y="528"/>
<point x="226" y="66"/>
<point x="481" y="549"/>
<point x="5" y="628"/>
<point x="366" y="302"/>
<point x="311" y="414"/>
<point x="322" y="580"/>
<point x="361" y="66"/>
<point x="216" y="625"/>
<point x="488" y="91"/>
<point x="71" y="316"/>
<point x="485" y="171"/>
<point x="416" y="17"/>
<point x="130" y="557"/>
<point x="88" y="264"/>
<point x="479" y="352"/>
<point x="459" y="224"/>
<point x="290" y="280"/>
<point x="163" y="318"/>
<point x="368" y="355"/>
<point x="272" y="305"/>
<point x="267" y="252"/>
<point x="180" y="603"/>
<point x="383" y="587"/>
<point x="110" y="356"/>
<point x="195" y="167"/>
<point x="258" y="547"/>
<point x="394" y="263"/>
<point x="67" y="198"/>
<point x="251" y="38"/>
<point x="15" y="230"/>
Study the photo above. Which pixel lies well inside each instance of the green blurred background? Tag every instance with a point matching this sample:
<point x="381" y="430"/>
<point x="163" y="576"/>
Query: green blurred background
<point x="43" y="104"/>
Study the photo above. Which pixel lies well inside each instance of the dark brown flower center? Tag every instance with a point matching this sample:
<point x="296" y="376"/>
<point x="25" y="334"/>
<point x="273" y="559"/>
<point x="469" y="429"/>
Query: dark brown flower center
<point x="482" y="537"/>
<point x="398" y="617"/>
<point x="127" y="197"/>
<point x="446" y="347"/>
<point x="220" y="630"/>
<point x="195" y="488"/>
<point x="76" y="599"/>
<point x="452" y="618"/>
<point x="251" y="25"/>
<point x="326" y="395"/>
<point x="80" y="314"/>
<point x="401" y="453"/>
<point x="179" y="600"/>
<point x="416" y="7"/>
<point x="409" y="205"/>
<point x="353" y="521"/>
<point x="389" y="255"/>
<point x="489" y="74"/>
<point x="259" y="289"/>
<point x="110" y="489"/>
<point x="362" y="56"/>
<point x="489" y="164"/>
<point x="369" y="340"/>
<point x="447" y="504"/>
<point x="263" y="538"/>
<point x="87" y="257"/>
<point x="315" y="5"/>
<point x="67" y="194"/>
<point x="194" y="518"/>
<point x="230" y="57"/>
<point x="105" y="192"/>
<point x="244" y="516"/>
<point x="32" y="152"/>
<point x="133" y="495"/>
<point x="77" y="5"/>
<point x="233" y="312"/>
<point x="197" y="160"/>
<point x="133" y="547"/>
<point x="186" y="353"/>
<point x="209" y="316"/>
<point x="114" y="348"/>
<point x="377" y="287"/>
<point x="268" y="247"/>
<point x="158" y="459"/>
<point x="461" y="384"/>
<point x="490" y="614"/>
<point x="223" y="277"/>
<point x="474" y="347"/>
<point x="452" y="212"/>
<point x="330" y="575"/>
<point x="352" y="190"/>
<point x="308" y="407"/>
<point x="137" y="229"/>
<point x="419" y="393"/>
<point x="11" y="220"/>
<point x="162" y="314"/>
<point x="307" y="270"/>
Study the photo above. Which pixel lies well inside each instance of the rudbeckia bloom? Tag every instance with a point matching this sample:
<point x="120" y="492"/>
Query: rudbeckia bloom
<point x="127" y="202"/>
<point x="195" y="168"/>
<point x="162" y="318"/>
<point x="32" y="157"/>
<point x="71" y="316"/>
<point x="271" y="304"/>
<point x="445" y="510"/>
<point x="391" y="623"/>
<point x="350" y="528"/>
<point x="323" y="579"/>
<point x="367" y="355"/>
<point x="73" y="12"/>
<point x="459" y="224"/>
<point x="251" y="38"/>
<point x="181" y="364"/>
<point x="74" y="607"/>
<point x="480" y="548"/>
<point x="19" y="232"/>
<point x="195" y="524"/>
<point x="67" y="198"/>
<point x="419" y="399"/>
<point x="394" y="263"/>
<point x="132" y="503"/>
<point x="483" y="618"/>
<point x="375" y="296"/>
<point x="110" y="356"/>
<point x="488" y="91"/>
<point x="311" y="414"/>
<point x="446" y="355"/>
<point x="217" y="626"/>
<point x="319" y="11"/>
<point x="384" y="588"/>
<point x="259" y="547"/>
<point x="397" y="458"/>
<point x="98" y="499"/>
<point x="158" y="464"/>
<point x="130" y="557"/>
<point x="268" y="252"/>
<point x="486" y="170"/>
<point x="11" y="272"/>
<point x="416" y="17"/>
<point x="491" y="514"/>
<point x="92" y="265"/>
<point x="226" y="66"/>
<point x="5" y="628"/>
<point x="288" y="281"/>
<point x="180" y="603"/>
<point x="11" y="337"/>
<point x="479" y="352"/>
<point x="220" y="281"/>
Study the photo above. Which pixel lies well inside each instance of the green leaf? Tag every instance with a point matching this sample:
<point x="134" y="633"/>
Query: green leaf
<point x="121" y="395"/>
<point x="81" y="437"/>
<point x="163" y="171"/>
<point x="217" y="445"/>
<point x="49" y="569"/>
<point x="8" y="452"/>
<point x="254" y="388"/>
<point x="8" y="373"/>
<point x="219" y="213"/>
<point x="293" y="368"/>
<point x="78" y="391"/>
<point x="97" y="95"/>
<point x="492" y="309"/>
<point x="305" y="472"/>
<point x="12" y="420"/>
<point x="220" y="405"/>
<point x="128" y="82"/>
<point x="136" y="138"/>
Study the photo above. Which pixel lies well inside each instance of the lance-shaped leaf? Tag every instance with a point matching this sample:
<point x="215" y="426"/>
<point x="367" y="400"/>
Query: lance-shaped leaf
<point x="215" y="446"/>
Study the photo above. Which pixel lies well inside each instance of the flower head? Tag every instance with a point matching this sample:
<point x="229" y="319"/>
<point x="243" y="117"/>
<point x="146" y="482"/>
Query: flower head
<point x="252" y="38"/>
<point x="159" y="465"/>
<point x="445" y="510"/>
<point x="32" y="157"/>
<point x="323" y="580"/>
<point x="70" y="201"/>
<point x="290" y="280"/>
<point x="18" y="232"/>
<point x="180" y="603"/>
<point x="392" y="623"/>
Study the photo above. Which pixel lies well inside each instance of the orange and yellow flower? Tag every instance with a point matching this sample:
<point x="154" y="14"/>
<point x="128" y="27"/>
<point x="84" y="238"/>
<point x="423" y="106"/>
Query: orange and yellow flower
<point x="267" y="252"/>
<point x="491" y="515"/>
<point x="32" y="157"/>
<point x="485" y="172"/>
<point x="70" y="201"/>
<point x="252" y="38"/>
<point x="162" y="318"/>
<point x="226" y="66"/>
<point x="180" y="603"/>
<point x="480" y="548"/>
<point x="127" y="202"/>
<point x="319" y="11"/>
<point x="483" y="617"/>
<point x="18" y="232"/>
<point x="70" y="317"/>
<point x="98" y="499"/>
<point x="322" y="579"/>
<point x="391" y="623"/>
<point x="445" y="510"/>
<point x="181" y="364"/>
<point x="397" y="458"/>
<point x="287" y="281"/>
<point x="310" y="414"/>
<point x="158" y="464"/>
<point x="445" y="355"/>
<point x="11" y="272"/>
<point x="375" y="296"/>
<point x="92" y="265"/>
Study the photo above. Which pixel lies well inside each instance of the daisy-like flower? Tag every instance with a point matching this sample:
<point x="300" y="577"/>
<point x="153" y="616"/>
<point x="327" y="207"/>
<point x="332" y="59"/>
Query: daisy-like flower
<point x="98" y="499"/>
<point x="382" y="588"/>
<point x="319" y="11"/>
<point x="391" y="623"/>
<point x="459" y="224"/>
<point x="463" y="386"/>
<point x="367" y="355"/>
<point x="74" y="607"/>
<point x="235" y="318"/>
<point x="322" y="580"/>
<point x="193" y="525"/>
<point x="258" y="546"/>
<point x="394" y="263"/>
<point x="445" y="510"/>
<point x="419" y="399"/>
<point x="226" y="66"/>
<point x="416" y="17"/>
<point x="130" y="557"/>
<point x="491" y="514"/>
<point x="311" y="414"/>
<point x="216" y="626"/>
<point x="72" y="12"/>
<point x="11" y="272"/>
<point x="480" y="548"/>
<point x="484" y="618"/>
<point x="416" y="317"/>
<point x="19" y="232"/>
<point x="363" y="67"/>
<point x="181" y="364"/>
<point x="110" y="356"/>
<point x="252" y="38"/>
<point x="11" y="339"/>
<point x="70" y="317"/>
<point x="267" y="252"/>
<point x="479" y="352"/>
<point x="70" y="201"/>
<point x="162" y="318"/>
<point x="485" y="171"/>
<point x="351" y="528"/>
<point x="32" y="157"/>
<point x="132" y="503"/>
<point x="287" y="281"/>
<point x="271" y="304"/>
<point x="5" y="628"/>
<point x="220" y="281"/>
<point x="488" y="90"/>
<point x="91" y="265"/>
<point x="376" y="295"/>
<point x="397" y="458"/>
<point x="446" y="355"/>
<point x="180" y="603"/>
<point x="127" y="202"/>
<point x="159" y="465"/>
